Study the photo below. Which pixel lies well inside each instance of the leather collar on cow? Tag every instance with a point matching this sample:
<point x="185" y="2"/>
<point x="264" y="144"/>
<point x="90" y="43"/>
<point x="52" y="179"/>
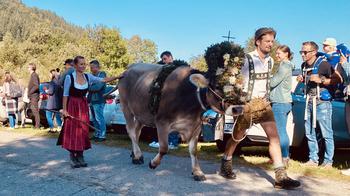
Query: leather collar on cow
<point x="227" y="108"/>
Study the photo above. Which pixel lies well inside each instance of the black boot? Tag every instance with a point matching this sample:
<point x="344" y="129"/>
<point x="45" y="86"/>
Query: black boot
<point x="74" y="161"/>
<point x="81" y="160"/>
<point x="226" y="169"/>
<point x="282" y="181"/>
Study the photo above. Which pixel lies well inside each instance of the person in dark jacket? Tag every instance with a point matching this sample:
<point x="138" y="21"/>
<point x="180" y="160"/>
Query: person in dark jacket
<point x="68" y="69"/>
<point x="97" y="102"/>
<point x="33" y="94"/>
<point x="53" y="104"/>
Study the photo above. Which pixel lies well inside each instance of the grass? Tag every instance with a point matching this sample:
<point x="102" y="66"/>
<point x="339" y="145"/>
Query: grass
<point x="250" y="156"/>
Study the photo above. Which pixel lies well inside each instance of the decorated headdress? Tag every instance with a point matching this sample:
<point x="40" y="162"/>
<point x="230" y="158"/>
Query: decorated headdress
<point x="225" y="61"/>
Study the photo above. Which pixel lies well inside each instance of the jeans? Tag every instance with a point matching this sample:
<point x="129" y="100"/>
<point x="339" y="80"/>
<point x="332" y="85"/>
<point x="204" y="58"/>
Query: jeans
<point x="280" y="112"/>
<point x="98" y="120"/>
<point x="12" y="119"/>
<point x="324" y="118"/>
<point x="50" y="121"/>
<point x="173" y="138"/>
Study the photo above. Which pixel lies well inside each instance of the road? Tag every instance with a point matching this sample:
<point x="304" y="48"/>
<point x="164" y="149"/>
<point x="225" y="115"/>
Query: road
<point x="36" y="166"/>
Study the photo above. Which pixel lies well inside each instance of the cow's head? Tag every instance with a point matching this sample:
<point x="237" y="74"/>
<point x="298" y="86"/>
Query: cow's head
<point x="223" y="78"/>
<point x="215" y="97"/>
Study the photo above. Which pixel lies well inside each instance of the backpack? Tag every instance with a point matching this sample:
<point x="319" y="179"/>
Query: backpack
<point x="15" y="90"/>
<point x="325" y="95"/>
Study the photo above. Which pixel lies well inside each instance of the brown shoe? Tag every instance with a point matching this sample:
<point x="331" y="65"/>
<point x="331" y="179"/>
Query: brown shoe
<point x="282" y="181"/>
<point x="226" y="169"/>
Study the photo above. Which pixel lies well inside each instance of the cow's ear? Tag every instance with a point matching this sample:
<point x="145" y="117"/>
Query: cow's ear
<point x="199" y="80"/>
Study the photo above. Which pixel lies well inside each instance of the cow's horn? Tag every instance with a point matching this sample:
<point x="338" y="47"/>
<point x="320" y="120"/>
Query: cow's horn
<point x="199" y="80"/>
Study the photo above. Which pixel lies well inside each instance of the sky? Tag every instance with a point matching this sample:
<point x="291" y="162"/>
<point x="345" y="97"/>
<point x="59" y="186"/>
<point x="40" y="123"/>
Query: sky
<point x="188" y="27"/>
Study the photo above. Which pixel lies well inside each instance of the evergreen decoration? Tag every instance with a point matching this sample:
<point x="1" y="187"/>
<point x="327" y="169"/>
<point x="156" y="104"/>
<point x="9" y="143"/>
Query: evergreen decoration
<point x="157" y="84"/>
<point x="225" y="61"/>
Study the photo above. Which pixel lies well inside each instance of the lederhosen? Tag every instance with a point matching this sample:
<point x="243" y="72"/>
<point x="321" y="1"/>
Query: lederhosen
<point x="75" y="136"/>
<point x="256" y="110"/>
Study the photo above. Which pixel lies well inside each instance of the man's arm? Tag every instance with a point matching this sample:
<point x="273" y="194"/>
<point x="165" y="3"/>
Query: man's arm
<point x="327" y="75"/>
<point x="96" y="87"/>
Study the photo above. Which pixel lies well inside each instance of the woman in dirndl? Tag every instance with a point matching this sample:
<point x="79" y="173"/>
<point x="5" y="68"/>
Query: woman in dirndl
<point x="75" y="134"/>
<point x="11" y="103"/>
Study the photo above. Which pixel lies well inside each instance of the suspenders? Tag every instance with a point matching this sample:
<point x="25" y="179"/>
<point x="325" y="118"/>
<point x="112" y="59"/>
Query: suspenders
<point x="257" y="76"/>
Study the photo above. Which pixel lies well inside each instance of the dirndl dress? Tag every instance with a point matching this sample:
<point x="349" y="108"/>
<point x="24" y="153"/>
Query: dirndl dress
<point x="75" y="135"/>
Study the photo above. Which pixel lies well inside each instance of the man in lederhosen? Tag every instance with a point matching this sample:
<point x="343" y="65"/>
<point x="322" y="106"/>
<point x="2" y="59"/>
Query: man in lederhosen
<point x="256" y="73"/>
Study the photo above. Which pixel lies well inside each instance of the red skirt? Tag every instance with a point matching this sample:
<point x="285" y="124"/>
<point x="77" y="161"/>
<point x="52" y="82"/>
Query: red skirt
<point x="76" y="134"/>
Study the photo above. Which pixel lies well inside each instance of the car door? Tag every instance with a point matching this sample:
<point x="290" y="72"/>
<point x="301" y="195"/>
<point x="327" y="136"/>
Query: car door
<point x="340" y="131"/>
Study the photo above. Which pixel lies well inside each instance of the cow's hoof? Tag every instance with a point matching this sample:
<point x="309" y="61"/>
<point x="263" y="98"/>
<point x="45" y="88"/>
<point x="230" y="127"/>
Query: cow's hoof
<point x="138" y="161"/>
<point x="199" y="177"/>
<point x="151" y="166"/>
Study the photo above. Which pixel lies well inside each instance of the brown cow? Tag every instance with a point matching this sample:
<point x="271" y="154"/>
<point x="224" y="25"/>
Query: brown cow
<point x="185" y="96"/>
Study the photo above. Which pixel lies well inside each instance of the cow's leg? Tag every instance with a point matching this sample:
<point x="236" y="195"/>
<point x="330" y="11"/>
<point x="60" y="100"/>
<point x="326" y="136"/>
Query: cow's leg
<point x="134" y="128"/>
<point x="163" y="132"/>
<point x="198" y="175"/>
<point x="136" y="155"/>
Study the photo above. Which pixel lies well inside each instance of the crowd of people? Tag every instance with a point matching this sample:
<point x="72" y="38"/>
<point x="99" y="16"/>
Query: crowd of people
<point x="74" y="93"/>
<point x="17" y="99"/>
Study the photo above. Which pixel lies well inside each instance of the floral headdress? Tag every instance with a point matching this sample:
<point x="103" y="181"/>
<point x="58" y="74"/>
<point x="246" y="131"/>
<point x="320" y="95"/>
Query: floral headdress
<point x="225" y="61"/>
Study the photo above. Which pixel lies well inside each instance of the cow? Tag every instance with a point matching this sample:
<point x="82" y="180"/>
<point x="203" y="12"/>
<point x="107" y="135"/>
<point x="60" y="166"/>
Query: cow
<point x="185" y="95"/>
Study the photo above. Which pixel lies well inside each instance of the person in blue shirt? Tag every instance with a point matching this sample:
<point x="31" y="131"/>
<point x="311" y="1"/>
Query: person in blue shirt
<point x="173" y="138"/>
<point x="97" y="102"/>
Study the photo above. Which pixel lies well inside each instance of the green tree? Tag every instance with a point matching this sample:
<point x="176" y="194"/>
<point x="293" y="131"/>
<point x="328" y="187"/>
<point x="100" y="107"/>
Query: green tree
<point x="198" y="62"/>
<point x="144" y="51"/>
<point x="11" y="57"/>
<point x="109" y="48"/>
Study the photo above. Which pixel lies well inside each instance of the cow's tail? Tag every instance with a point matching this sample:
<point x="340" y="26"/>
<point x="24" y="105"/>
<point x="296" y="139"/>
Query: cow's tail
<point x="116" y="86"/>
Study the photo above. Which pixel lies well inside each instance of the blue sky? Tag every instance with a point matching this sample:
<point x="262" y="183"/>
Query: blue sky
<point x="188" y="27"/>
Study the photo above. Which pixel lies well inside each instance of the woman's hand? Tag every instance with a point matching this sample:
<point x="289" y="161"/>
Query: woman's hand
<point x="64" y="113"/>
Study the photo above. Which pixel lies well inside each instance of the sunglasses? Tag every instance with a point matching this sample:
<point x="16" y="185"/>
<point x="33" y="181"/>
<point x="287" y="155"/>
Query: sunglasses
<point x="305" y="52"/>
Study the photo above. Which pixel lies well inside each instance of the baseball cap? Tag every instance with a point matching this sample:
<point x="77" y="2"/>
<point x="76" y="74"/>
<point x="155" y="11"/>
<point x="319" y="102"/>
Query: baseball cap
<point x="330" y="42"/>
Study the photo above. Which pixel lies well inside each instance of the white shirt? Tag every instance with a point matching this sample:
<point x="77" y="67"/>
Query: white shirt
<point x="67" y="82"/>
<point x="259" y="88"/>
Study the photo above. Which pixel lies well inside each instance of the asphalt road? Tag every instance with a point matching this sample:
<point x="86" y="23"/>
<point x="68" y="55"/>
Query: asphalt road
<point x="36" y="166"/>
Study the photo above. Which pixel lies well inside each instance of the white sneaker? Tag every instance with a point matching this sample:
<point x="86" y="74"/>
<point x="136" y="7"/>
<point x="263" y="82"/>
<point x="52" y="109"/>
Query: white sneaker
<point x="346" y="172"/>
<point x="172" y="147"/>
<point x="154" y="144"/>
<point x="16" y="126"/>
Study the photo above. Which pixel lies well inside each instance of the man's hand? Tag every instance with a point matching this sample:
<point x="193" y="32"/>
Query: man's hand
<point x="300" y="78"/>
<point x="342" y="59"/>
<point x="315" y="78"/>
